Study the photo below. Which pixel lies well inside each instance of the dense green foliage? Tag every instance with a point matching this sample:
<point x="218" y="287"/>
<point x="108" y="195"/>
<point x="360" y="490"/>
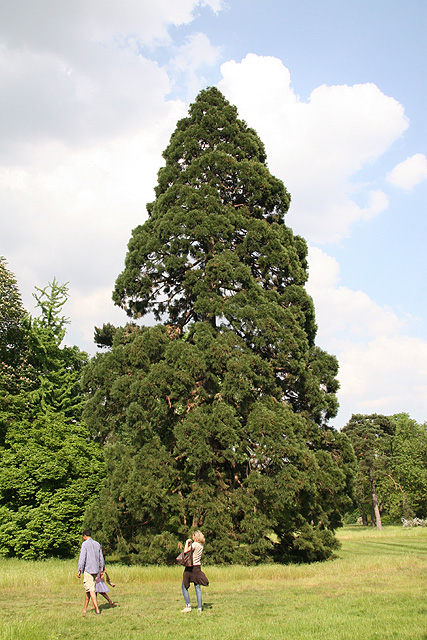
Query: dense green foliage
<point x="13" y="338"/>
<point x="404" y="486"/>
<point x="48" y="473"/>
<point x="217" y="417"/>
<point x="391" y="452"/>
<point x="49" y="468"/>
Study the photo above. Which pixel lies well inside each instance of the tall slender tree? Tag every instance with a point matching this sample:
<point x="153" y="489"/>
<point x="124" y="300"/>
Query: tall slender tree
<point x="223" y="407"/>
<point x="372" y="440"/>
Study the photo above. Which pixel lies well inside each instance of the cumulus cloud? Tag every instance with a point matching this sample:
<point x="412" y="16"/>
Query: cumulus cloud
<point x="342" y="311"/>
<point x="89" y="310"/>
<point x="85" y="116"/>
<point x="70" y="214"/>
<point x="52" y="26"/>
<point x="83" y="73"/>
<point x="44" y="99"/>
<point x="318" y="146"/>
<point x="381" y="366"/>
<point x="383" y="376"/>
<point x="195" y="54"/>
<point x="410" y="172"/>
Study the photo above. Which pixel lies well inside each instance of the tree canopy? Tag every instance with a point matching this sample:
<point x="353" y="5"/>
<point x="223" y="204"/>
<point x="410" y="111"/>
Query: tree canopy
<point x="215" y="249"/>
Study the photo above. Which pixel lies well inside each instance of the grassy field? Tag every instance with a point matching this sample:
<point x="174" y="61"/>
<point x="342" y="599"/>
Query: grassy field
<point x="375" y="589"/>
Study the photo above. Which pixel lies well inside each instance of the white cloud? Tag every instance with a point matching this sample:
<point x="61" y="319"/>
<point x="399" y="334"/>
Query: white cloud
<point x="42" y="100"/>
<point x="410" y="172"/>
<point x="384" y="376"/>
<point x="381" y="366"/>
<point x="90" y="310"/>
<point x="84" y="120"/>
<point x="318" y="146"/>
<point x="196" y="53"/>
<point x="71" y="213"/>
<point x="54" y="26"/>
<point x="82" y="74"/>
<point x="342" y="311"/>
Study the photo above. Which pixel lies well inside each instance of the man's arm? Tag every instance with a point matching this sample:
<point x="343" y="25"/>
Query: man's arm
<point x="101" y="560"/>
<point x="82" y="560"/>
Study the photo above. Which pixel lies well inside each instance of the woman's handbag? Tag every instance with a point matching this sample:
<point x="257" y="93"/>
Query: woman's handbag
<point x="186" y="559"/>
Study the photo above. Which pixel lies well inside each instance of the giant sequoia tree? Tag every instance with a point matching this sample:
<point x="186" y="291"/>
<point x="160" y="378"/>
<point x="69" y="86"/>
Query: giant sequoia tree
<point x="217" y="417"/>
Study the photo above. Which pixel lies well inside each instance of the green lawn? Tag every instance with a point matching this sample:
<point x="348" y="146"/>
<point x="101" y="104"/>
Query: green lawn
<point x="375" y="589"/>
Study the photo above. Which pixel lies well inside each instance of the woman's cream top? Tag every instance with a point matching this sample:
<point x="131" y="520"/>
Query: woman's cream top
<point x="197" y="553"/>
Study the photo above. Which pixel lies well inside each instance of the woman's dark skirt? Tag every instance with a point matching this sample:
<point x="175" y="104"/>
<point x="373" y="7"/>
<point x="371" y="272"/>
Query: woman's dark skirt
<point x="194" y="574"/>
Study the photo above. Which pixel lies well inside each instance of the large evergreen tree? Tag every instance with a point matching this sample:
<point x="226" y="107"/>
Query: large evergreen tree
<point x="218" y="416"/>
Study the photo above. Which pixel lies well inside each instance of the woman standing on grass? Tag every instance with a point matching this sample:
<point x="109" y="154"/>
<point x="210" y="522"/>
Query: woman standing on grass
<point x="194" y="574"/>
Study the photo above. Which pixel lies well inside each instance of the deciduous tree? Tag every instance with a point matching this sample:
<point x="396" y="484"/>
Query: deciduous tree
<point x="372" y="440"/>
<point x="49" y="467"/>
<point x="400" y="463"/>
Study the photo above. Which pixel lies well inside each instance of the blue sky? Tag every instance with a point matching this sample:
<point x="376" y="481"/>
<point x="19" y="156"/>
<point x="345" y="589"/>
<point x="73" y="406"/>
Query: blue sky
<point x="91" y="93"/>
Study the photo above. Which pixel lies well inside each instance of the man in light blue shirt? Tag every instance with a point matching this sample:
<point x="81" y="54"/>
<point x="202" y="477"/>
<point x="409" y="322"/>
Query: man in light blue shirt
<point x="91" y="562"/>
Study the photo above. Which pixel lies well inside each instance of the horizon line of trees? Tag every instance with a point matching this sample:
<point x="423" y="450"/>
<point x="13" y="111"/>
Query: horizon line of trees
<point x="43" y="503"/>
<point x="218" y="416"/>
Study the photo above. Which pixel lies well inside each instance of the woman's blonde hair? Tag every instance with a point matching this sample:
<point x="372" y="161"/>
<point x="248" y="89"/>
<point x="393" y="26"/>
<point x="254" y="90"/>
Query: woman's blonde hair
<point x="199" y="537"/>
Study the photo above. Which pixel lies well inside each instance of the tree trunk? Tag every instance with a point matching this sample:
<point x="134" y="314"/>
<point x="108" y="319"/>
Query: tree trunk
<point x="375" y="505"/>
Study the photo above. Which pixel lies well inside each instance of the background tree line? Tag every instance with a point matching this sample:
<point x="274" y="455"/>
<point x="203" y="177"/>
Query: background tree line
<point x="391" y="477"/>
<point x="49" y="467"/>
<point x="217" y="416"/>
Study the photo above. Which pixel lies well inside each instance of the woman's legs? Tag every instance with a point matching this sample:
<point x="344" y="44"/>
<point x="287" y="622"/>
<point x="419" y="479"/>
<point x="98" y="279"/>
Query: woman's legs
<point x="186" y="595"/>
<point x="198" y="589"/>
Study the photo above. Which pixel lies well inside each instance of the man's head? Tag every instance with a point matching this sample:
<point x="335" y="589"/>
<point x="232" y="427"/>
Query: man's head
<point x="87" y="534"/>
